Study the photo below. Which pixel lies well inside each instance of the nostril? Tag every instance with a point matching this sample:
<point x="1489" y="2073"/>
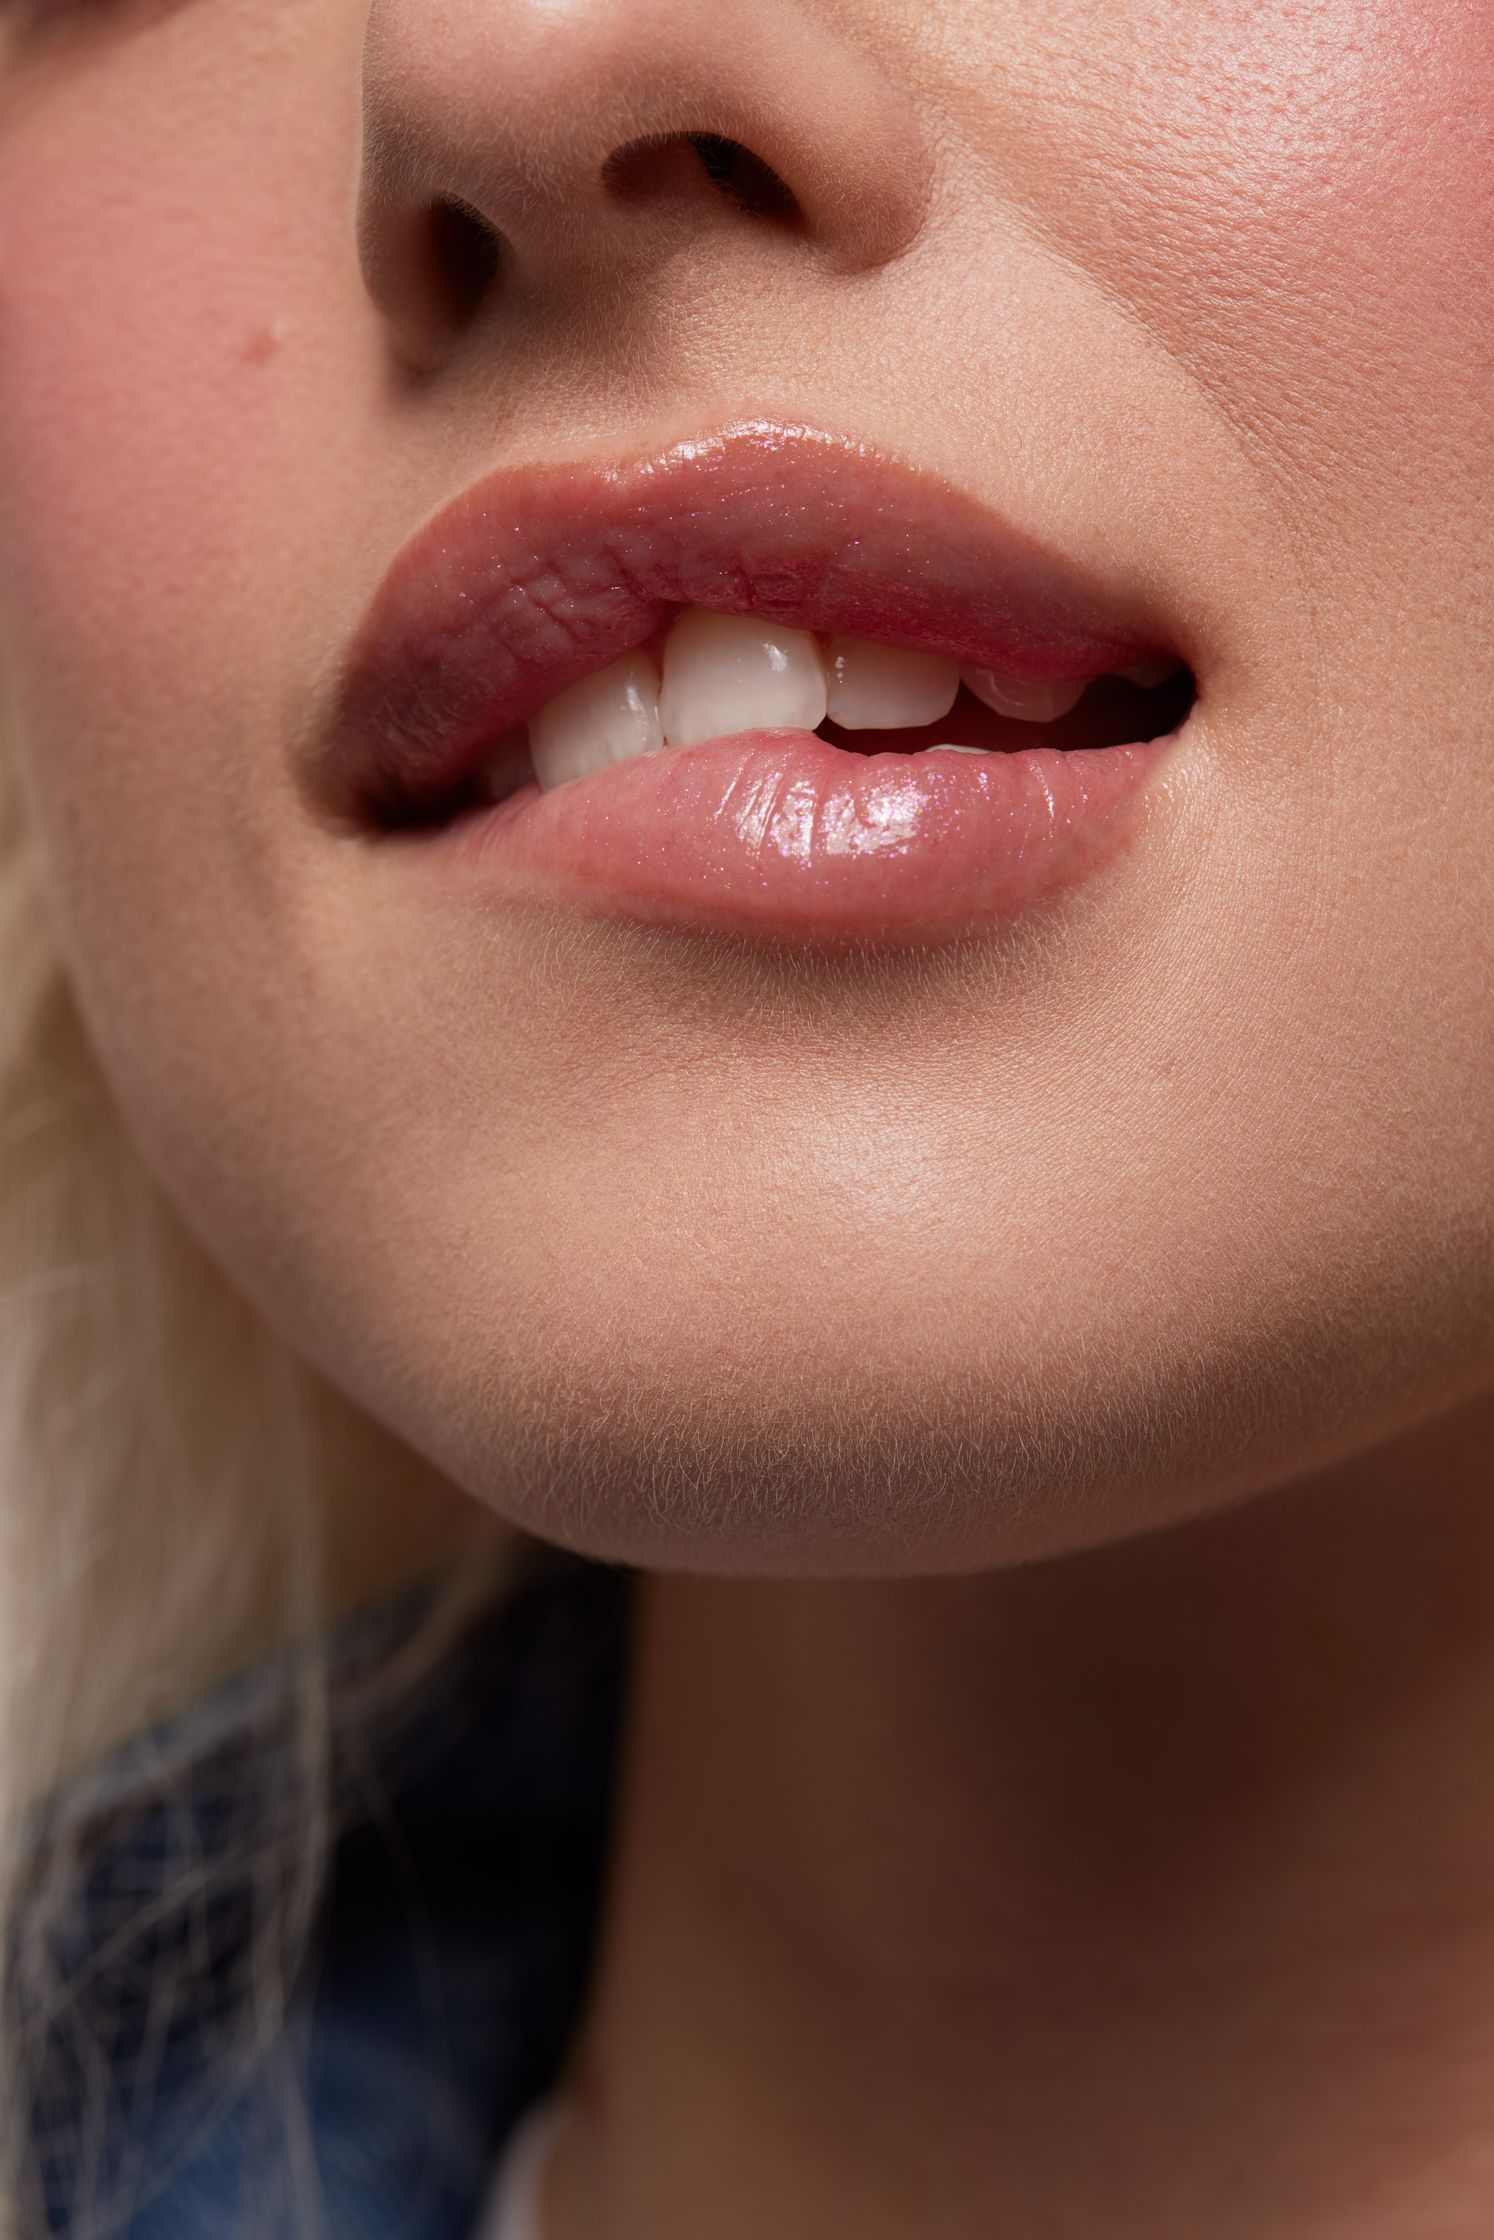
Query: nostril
<point x="465" y="253"/>
<point x="666" y="163"/>
<point x="744" y="178"/>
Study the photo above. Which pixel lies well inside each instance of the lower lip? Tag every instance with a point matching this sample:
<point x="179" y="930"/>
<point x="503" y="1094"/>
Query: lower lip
<point x="777" y="835"/>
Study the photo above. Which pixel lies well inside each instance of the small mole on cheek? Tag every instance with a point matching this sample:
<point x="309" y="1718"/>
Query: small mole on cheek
<point x="263" y="342"/>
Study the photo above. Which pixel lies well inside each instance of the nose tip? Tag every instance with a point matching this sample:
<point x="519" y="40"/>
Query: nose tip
<point x="547" y="134"/>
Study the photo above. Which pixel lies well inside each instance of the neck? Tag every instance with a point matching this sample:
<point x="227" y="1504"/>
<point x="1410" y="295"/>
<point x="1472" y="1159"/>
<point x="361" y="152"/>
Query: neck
<point x="1145" y="1892"/>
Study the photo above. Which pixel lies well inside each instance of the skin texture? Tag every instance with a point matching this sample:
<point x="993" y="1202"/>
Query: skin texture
<point x="1176" y="1197"/>
<point x="677" y="1254"/>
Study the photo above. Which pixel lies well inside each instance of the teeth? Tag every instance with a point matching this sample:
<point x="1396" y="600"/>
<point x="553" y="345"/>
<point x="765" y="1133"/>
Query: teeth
<point x="1028" y="703"/>
<point x="883" y="688"/>
<point x="604" y="718"/>
<point x="726" y="672"/>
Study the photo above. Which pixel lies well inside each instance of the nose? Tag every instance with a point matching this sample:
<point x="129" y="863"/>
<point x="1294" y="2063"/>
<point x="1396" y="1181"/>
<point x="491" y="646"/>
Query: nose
<point x="571" y="143"/>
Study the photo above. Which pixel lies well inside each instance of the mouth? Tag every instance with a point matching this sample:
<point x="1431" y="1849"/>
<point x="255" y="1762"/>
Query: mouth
<point x="767" y="681"/>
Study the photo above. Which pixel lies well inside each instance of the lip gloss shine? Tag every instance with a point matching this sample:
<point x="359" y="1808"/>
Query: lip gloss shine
<point x="540" y="575"/>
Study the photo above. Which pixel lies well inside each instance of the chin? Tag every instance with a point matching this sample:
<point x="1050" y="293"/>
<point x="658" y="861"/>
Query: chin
<point x="808" y="1447"/>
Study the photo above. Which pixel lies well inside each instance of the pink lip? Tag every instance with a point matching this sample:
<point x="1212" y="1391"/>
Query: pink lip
<point x="538" y="576"/>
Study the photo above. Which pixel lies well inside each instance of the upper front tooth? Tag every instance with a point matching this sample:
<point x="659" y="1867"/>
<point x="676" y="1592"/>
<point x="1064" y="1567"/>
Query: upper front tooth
<point x="606" y="717"/>
<point x="1029" y="703"/>
<point x="885" y="688"/>
<point x="727" y="672"/>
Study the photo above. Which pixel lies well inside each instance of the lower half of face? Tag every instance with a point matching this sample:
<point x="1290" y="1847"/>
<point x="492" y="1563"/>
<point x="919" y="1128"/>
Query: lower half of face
<point x="698" y="1240"/>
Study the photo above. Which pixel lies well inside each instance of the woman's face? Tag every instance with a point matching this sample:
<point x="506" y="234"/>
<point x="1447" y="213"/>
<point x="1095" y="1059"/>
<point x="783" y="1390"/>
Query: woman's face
<point x="706" y="1235"/>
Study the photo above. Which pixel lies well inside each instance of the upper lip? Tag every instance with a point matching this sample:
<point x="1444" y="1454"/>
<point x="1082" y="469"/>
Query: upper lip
<point x="538" y="575"/>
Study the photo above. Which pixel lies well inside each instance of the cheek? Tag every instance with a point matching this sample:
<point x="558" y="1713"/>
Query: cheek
<point x="1354" y="158"/>
<point x="126" y="319"/>
<point x="158" y="305"/>
<point x="161" y="314"/>
<point x="167" y="298"/>
<point x="1302" y="204"/>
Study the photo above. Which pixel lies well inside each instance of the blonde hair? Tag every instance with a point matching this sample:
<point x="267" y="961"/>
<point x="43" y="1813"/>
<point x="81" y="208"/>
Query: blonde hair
<point x="163" y="1461"/>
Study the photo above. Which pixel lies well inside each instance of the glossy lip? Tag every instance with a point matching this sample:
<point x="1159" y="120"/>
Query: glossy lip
<point x="540" y="575"/>
<point x="777" y="835"/>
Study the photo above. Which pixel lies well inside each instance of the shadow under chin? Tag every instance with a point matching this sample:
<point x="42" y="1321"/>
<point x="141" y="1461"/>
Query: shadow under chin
<point x="952" y="1476"/>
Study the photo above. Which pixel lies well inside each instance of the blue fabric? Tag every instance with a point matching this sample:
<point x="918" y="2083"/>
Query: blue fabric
<point x="435" y="1992"/>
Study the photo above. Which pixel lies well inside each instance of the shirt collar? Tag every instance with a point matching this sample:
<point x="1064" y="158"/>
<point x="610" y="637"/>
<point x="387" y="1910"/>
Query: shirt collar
<point x="434" y="1972"/>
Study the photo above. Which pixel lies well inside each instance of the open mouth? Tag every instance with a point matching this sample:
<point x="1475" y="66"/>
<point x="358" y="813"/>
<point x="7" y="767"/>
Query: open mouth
<point x="712" y="676"/>
<point x="768" y="680"/>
